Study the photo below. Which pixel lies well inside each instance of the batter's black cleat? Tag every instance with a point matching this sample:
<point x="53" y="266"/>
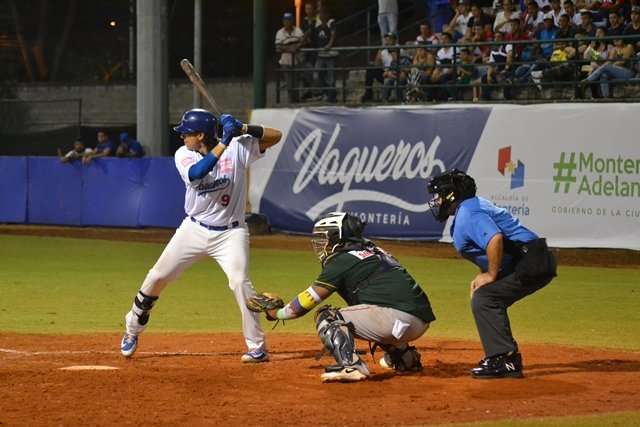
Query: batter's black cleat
<point x="508" y="365"/>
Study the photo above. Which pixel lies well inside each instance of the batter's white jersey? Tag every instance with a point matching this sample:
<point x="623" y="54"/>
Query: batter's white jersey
<point x="218" y="199"/>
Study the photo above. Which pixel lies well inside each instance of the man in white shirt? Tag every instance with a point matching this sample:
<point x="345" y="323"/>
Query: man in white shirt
<point x="288" y="41"/>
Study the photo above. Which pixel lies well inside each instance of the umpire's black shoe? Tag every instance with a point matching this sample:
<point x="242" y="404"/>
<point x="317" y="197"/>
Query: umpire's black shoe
<point x="507" y="365"/>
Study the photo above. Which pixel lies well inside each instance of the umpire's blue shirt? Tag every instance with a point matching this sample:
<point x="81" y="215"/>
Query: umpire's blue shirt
<point x="476" y="221"/>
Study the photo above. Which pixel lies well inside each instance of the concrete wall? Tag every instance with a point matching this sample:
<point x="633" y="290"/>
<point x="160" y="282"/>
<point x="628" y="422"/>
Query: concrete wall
<point x="115" y="104"/>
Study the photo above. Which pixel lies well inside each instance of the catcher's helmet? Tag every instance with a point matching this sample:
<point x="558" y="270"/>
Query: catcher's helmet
<point x="197" y="120"/>
<point x="334" y="229"/>
<point x="449" y="187"/>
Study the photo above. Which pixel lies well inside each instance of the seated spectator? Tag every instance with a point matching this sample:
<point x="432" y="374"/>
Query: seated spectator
<point x="505" y="18"/>
<point x="586" y="23"/>
<point x="458" y="24"/>
<point x="547" y="33"/>
<point x="103" y="148"/>
<point x="561" y="69"/>
<point x="444" y="73"/>
<point x="467" y="72"/>
<point x="480" y="35"/>
<point x="74" y="154"/>
<point x="565" y="29"/>
<point x="633" y="29"/>
<point x="533" y="19"/>
<point x="521" y="51"/>
<point x="556" y="11"/>
<point x="308" y="26"/>
<point x="616" y="24"/>
<point x="382" y="62"/>
<point x="396" y="76"/>
<point x="426" y="36"/>
<point x="618" y="67"/>
<point x="129" y="147"/>
<point x="598" y="14"/>
<point x="499" y="70"/>
<point x="570" y="9"/>
<point x="288" y="41"/>
<point x="479" y="18"/>
<point x="420" y="74"/>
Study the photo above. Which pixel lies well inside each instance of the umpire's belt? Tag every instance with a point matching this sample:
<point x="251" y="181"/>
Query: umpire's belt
<point x="234" y="224"/>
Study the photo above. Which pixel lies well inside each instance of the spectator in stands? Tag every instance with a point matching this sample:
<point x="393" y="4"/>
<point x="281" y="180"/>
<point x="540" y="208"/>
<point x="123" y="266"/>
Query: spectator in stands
<point x="103" y="148"/>
<point x="586" y="23"/>
<point x="547" y="33"/>
<point x="396" y="75"/>
<point x="444" y="73"/>
<point x="533" y="19"/>
<point x="598" y="14"/>
<point x="520" y="52"/>
<point x="633" y="29"/>
<point x="499" y="70"/>
<point x="618" y="67"/>
<point x="480" y="35"/>
<point x="288" y="41"/>
<point x="74" y="154"/>
<point x="382" y="62"/>
<point x="561" y="69"/>
<point x="505" y="18"/>
<point x="565" y="30"/>
<point x="129" y="147"/>
<point x="308" y="27"/>
<point x="388" y="17"/>
<point x="627" y="7"/>
<point x="420" y="74"/>
<point x="458" y="24"/>
<point x="440" y="14"/>
<point x="556" y="11"/>
<point x="426" y="36"/>
<point x="616" y="24"/>
<point x="570" y="10"/>
<point x="324" y="37"/>
<point x="479" y="18"/>
<point x="467" y="72"/>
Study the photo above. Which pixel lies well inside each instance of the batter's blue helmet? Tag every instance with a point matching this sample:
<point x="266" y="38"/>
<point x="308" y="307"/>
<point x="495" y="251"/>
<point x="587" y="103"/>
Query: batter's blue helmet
<point x="197" y="120"/>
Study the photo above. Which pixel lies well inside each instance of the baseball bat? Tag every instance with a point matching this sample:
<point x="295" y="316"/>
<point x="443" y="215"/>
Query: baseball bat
<point x="197" y="81"/>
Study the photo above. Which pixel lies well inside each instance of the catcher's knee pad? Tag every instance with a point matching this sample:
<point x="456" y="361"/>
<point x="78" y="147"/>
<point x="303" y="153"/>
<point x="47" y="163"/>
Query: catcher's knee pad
<point x="336" y="335"/>
<point x="403" y="358"/>
<point x="142" y="305"/>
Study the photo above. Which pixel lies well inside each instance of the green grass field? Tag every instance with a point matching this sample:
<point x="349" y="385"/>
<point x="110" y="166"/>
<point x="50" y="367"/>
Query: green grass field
<point x="61" y="285"/>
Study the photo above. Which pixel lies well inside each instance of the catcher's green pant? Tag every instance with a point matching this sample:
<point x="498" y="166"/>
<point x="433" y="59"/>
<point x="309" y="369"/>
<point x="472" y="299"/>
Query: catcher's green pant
<point x="383" y="325"/>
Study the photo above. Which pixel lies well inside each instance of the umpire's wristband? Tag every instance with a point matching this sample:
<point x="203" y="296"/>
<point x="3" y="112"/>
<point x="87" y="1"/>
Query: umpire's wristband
<point x="256" y="131"/>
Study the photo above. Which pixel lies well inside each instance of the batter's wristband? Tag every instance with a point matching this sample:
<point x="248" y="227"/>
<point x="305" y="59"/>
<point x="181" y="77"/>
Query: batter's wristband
<point x="256" y="131"/>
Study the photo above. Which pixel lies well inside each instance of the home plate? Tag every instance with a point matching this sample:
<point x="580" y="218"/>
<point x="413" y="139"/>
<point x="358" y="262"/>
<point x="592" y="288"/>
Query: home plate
<point x="89" y="368"/>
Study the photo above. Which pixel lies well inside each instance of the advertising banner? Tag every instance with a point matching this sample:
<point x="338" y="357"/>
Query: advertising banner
<point x="569" y="172"/>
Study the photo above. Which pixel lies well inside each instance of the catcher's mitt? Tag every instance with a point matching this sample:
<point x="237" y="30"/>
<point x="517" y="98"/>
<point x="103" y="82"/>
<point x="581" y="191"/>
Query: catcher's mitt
<point x="262" y="303"/>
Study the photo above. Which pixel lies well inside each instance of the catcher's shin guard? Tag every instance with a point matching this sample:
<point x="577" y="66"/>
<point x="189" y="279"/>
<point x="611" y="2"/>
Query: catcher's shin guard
<point x="142" y="305"/>
<point x="336" y="336"/>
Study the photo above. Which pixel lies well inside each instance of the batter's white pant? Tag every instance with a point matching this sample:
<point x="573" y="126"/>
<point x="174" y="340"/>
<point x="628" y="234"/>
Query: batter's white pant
<point x="229" y="248"/>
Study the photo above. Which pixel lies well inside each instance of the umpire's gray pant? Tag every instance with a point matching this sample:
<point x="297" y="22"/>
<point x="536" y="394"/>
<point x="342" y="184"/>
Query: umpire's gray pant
<point x="489" y="306"/>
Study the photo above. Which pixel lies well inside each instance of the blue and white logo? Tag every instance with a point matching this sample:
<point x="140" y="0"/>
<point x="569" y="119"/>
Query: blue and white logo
<point x="373" y="163"/>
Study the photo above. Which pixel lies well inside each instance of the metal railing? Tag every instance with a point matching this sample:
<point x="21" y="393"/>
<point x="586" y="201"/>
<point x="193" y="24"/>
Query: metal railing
<point x="512" y="86"/>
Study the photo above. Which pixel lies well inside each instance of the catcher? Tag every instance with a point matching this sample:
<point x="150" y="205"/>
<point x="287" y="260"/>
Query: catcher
<point x="386" y="307"/>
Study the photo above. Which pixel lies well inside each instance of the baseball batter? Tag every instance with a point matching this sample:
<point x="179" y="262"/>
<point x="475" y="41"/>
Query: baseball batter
<point x="214" y="226"/>
<point x="386" y="305"/>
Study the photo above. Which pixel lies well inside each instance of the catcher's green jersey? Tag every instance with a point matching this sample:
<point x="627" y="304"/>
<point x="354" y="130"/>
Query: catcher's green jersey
<point x="371" y="276"/>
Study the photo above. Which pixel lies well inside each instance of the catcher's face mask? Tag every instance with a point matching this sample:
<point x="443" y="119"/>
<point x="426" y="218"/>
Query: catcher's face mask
<point x="323" y="242"/>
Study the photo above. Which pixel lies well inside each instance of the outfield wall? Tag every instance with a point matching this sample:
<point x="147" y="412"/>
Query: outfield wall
<point x="569" y="171"/>
<point x="108" y="192"/>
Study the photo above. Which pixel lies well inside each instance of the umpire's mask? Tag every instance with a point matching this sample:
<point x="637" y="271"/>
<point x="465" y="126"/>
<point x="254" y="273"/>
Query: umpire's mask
<point x="449" y="189"/>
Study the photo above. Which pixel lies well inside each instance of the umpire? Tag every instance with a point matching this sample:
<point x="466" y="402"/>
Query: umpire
<point x="514" y="262"/>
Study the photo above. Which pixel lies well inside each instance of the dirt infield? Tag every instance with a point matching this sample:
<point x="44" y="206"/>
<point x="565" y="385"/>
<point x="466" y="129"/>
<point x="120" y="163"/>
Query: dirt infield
<point x="199" y="380"/>
<point x="580" y="257"/>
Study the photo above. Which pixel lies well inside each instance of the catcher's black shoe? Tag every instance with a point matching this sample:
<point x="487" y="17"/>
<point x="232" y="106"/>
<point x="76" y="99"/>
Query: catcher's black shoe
<point x="508" y="365"/>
